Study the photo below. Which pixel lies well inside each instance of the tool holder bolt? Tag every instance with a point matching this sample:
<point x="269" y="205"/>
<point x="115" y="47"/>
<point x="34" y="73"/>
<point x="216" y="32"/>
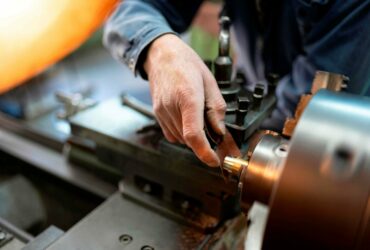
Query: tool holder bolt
<point x="258" y="95"/>
<point x="243" y="108"/>
<point x="273" y="80"/>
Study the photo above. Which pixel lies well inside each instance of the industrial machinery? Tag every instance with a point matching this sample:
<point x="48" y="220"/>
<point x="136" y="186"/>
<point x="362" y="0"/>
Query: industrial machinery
<point x="317" y="183"/>
<point x="314" y="177"/>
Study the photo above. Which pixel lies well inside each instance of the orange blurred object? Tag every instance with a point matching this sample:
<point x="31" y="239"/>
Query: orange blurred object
<point x="37" y="33"/>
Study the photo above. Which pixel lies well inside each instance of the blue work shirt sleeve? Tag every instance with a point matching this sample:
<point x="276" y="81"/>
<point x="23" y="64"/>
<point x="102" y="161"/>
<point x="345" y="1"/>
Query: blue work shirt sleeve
<point x="136" y="23"/>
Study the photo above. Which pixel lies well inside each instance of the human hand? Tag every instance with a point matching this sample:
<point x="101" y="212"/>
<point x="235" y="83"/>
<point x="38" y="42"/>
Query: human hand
<point x="182" y="89"/>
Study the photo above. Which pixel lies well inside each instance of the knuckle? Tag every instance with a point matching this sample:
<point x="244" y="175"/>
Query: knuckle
<point x="167" y="103"/>
<point x="178" y="71"/>
<point x="205" y="157"/>
<point x="157" y="108"/>
<point x="220" y="106"/>
<point x="188" y="107"/>
<point x="191" y="136"/>
<point x="184" y="92"/>
<point x="188" y="117"/>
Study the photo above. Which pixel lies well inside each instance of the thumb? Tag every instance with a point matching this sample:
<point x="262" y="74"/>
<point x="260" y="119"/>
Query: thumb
<point x="215" y="105"/>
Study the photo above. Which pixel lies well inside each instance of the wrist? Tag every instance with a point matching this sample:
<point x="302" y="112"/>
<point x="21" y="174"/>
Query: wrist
<point x="160" y="51"/>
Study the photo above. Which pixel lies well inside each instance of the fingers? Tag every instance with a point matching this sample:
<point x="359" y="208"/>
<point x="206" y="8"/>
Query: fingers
<point x="194" y="135"/>
<point x="215" y="104"/>
<point x="174" y="121"/>
<point x="177" y="82"/>
<point x="167" y="132"/>
<point x="170" y="129"/>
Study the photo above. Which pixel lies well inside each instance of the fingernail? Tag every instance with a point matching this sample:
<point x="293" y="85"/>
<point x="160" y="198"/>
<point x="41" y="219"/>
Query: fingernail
<point x="222" y="127"/>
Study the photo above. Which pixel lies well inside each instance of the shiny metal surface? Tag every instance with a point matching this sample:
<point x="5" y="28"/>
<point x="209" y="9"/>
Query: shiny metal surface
<point x="53" y="162"/>
<point x="263" y="170"/>
<point x="223" y="63"/>
<point x="14" y="231"/>
<point x="45" y="239"/>
<point x="323" y="80"/>
<point x="146" y="158"/>
<point x="234" y="166"/>
<point x="322" y="198"/>
<point x="122" y="223"/>
<point x="258" y="175"/>
<point x="330" y="81"/>
<point x="138" y="106"/>
<point x="224" y="36"/>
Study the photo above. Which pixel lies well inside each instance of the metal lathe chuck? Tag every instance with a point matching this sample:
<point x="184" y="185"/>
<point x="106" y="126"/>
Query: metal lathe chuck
<point x="316" y="184"/>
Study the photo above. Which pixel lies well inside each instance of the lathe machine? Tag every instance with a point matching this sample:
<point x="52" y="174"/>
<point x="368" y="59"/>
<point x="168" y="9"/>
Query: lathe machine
<point x="313" y="179"/>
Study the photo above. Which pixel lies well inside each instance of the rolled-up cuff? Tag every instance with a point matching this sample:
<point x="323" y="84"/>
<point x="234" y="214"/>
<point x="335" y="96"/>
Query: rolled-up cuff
<point x="129" y="52"/>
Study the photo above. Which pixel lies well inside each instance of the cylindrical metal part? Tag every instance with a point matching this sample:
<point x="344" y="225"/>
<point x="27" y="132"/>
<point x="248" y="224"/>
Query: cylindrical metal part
<point x="223" y="67"/>
<point x="273" y="80"/>
<point x="243" y="108"/>
<point x="263" y="170"/>
<point x="234" y="166"/>
<point x="223" y="64"/>
<point x="322" y="197"/>
<point x="224" y="36"/>
<point x="258" y="95"/>
<point x="230" y="93"/>
<point x="258" y="175"/>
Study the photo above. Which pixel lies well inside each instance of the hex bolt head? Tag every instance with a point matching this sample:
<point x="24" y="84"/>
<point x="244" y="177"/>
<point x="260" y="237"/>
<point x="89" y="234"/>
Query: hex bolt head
<point x="273" y="80"/>
<point x="243" y="103"/>
<point x="243" y="107"/>
<point x="259" y="89"/>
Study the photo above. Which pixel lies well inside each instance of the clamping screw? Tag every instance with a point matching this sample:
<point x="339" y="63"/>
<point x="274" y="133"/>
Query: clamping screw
<point x="273" y="80"/>
<point x="243" y="107"/>
<point x="259" y="89"/>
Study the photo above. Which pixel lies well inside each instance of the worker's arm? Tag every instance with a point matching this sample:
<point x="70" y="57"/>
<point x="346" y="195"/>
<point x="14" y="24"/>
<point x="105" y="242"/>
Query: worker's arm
<point x="142" y="35"/>
<point x="336" y="38"/>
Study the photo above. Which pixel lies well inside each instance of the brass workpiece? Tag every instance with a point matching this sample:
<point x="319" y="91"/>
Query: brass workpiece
<point x="234" y="166"/>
